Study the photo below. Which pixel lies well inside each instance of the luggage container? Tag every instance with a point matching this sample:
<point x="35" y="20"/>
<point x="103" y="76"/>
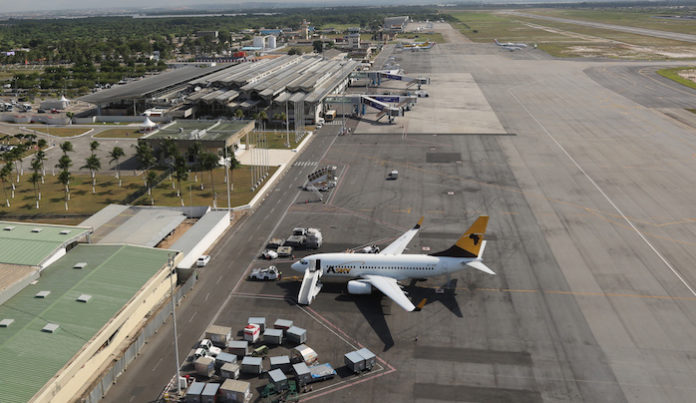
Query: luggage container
<point x="252" y="332"/>
<point x="303" y="353"/>
<point x="278" y="379"/>
<point x="281" y="362"/>
<point x="209" y="393"/>
<point x="252" y="365"/>
<point x="322" y="372"/>
<point x="296" y="335"/>
<point x="283" y="324"/>
<point x="233" y="391"/>
<point x="354" y="361"/>
<point x="193" y="394"/>
<point x="219" y="335"/>
<point x="284" y="251"/>
<point x="258" y="320"/>
<point x="224" y="358"/>
<point x="240" y="348"/>
<point x="273" y="336"/>
<point x="302" y="374"/>
<point x="230" y="371"/>
<point x="369" y="357"/>
<point x="274" y="243"/>
<point x="205" y="366"/>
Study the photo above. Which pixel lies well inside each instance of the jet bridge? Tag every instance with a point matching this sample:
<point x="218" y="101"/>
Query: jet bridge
<point x="376" y="78"/>
<point x="383" y="103"/>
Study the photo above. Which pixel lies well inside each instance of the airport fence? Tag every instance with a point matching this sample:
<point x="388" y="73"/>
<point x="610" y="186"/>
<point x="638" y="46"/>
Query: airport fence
<point x="102" y="386"/>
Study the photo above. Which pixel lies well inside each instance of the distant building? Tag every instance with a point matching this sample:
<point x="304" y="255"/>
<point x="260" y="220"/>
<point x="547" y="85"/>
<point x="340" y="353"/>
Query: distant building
<point x="352" y="40"/>
<point x="395" y="24"/>
<point x="212" y="35"/>
<point x="265" y="42"/>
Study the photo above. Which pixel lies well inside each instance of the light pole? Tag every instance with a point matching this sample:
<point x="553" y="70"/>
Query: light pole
<point x="227" y="175"/>
<point x="170" y="263"/>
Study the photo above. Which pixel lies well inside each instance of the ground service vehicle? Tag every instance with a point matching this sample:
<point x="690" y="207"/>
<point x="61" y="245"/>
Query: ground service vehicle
<point x="203" y="260"/>
<point x="264" y="274"/>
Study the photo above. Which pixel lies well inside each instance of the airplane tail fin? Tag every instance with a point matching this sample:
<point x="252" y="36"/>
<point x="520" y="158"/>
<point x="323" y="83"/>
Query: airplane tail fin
<point x="469" y="245"/>
<point x="496" y="41"/>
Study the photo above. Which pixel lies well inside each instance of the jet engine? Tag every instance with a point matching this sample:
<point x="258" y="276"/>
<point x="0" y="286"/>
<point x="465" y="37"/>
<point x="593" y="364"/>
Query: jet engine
<point x="359" y="287"/>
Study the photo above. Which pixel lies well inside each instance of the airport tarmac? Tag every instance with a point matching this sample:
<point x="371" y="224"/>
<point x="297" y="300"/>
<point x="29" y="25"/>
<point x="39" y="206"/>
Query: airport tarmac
<point x="592" y="226"/>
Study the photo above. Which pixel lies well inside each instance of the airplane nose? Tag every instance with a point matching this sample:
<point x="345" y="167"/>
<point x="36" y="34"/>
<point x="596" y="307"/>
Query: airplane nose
<point x="295" y="266"/>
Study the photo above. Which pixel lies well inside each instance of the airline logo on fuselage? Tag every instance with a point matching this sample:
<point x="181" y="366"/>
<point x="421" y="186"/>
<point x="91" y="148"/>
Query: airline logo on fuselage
<point x="337" y="270"/>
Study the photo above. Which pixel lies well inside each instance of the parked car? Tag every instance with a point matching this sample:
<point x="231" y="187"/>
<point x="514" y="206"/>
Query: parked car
<point x="393" y="175"/>
<point x="265" y="274"/>
<point x="203" y="260"/>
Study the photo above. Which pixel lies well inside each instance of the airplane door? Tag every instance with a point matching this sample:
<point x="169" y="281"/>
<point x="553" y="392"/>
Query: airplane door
<point x="318" y="265"/>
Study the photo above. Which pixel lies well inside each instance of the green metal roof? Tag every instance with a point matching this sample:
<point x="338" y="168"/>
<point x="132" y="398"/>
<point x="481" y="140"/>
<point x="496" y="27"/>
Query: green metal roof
<point x="214" y="131"/>
<point x="113" y="275"/>
<point x="22" y="246"/>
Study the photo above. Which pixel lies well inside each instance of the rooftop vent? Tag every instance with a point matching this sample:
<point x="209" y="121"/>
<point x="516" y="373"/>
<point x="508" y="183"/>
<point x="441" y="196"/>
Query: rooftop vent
<point x="84" y="298"/>
<point x="80" y="265"/>
<point x="42" y="294"/>
<point x="65" y="232"/>
<point x="50" y="328"/>
<point x="36" y="230"/>
<point x="6" y="322"/>
<point x="9" y="228"/>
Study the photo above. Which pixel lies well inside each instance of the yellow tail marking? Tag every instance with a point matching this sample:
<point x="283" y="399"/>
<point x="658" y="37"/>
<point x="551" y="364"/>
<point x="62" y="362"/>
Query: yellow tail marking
<point x="473" y="238"/>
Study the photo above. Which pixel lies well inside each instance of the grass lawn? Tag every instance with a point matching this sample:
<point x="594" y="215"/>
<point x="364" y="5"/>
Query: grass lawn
<point x="129" y="133"/>
<point x="673" y="74"/>
<point x="62" y="131"/>
<point x="82" y="201"/>
<point x="165" y="195"/>
<point x="278" y="140"/>
<point x="480" y="26"/>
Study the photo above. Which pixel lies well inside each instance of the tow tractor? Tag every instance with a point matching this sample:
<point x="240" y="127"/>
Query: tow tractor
<point x="265" y="274"/>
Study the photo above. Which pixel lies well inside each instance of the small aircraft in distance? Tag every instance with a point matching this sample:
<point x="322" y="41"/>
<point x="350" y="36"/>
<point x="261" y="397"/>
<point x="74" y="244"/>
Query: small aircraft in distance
<point x="511" y="46"/>
<point x="383" y="270"/>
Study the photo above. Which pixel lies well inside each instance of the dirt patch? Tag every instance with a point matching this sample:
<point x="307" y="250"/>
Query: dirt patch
<point x="177" y="233"/>
<point x="688" y="74"/>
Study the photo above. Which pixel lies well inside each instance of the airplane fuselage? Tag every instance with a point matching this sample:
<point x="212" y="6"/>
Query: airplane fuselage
<point x="347" y="266"/>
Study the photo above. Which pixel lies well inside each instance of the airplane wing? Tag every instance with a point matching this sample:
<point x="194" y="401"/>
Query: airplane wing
<point x="391" y="289"/>
<point x="397" y="247"/>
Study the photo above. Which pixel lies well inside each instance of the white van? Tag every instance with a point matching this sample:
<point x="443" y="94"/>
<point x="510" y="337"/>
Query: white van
<point x="393" y="175"/>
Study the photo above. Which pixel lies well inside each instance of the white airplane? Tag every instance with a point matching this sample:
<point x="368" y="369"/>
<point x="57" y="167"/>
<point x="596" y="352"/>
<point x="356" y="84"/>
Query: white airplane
<point x="383" y="270"/>
<point x="510" y="45"/>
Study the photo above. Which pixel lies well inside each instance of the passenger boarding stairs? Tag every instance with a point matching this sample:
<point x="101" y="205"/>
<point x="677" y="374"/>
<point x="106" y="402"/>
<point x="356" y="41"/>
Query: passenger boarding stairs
<point x="310" y="283"/>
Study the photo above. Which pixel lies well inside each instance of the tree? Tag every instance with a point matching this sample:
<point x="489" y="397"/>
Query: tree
<point x="239" y="114"/>
<point x="115" y="155"/>
<point x="42" y="143"/>
<point x="234" y="164"/>
<point x="318" y="46"/>
<point x="64" y="178"/>
<point x="194" y="151"/>
<point x="150" y="181"/>
<point x="180" y="173"/>
<point x="208" y="161"/>
<point x="66" y="147"/>
<point x="5" y="173"/>
<point x="64" y="163"/>
<point x="144" y="154"/>
<point x="93" y="146"/>
<point x="93" y="164"/>
<point x="35" y="180"/>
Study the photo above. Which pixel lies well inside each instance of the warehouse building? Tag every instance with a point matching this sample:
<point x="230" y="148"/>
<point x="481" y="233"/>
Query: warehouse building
<point x="60" y="332"/>
<point x="27" y="248"/>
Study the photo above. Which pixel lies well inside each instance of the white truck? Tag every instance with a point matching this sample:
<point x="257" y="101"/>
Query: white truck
<point x="265" y="274"/>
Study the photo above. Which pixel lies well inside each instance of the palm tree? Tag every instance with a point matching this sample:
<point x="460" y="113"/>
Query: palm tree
<point x="234" y="164"/>
<point x="144" y="154"/>
<point x="93" y="164"/>
<point x="16" y="156"/>
<point x="208" y="161"/>
<point x="41" y="157"/>
<point x="42" y="143"/>
<point x="66" y="147"/>
<point x="115" y="155"/>
<point x="35" y="179"/>
<point x="93" y="146"/>
<point x="180" y="173"/>
<point x="263" y="116"/>
<point x="64" y="178"/>
<point x="5" y="173"/>
<point x="150" y="180"/>
<point x="194" y="151"/>
<point x="64" y="163"/>
<point x="239" y="114"/>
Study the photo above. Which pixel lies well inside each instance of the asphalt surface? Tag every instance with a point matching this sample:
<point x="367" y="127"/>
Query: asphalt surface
<point x="590" y="194"/>
<point x="621" y="28"/>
